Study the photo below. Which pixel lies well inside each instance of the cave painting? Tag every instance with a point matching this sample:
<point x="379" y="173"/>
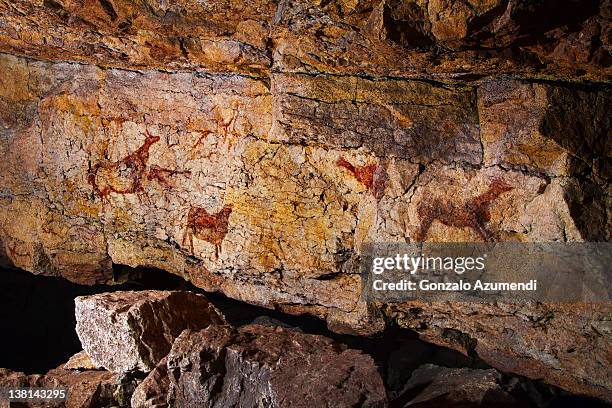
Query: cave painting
<point x="473" y="213"/>
<point x="12" y="250"/>
<point x="372" y="176"/>
<point x="207" y="227"/>
<point x="127" y="175"/>
<point x="225" y="120"/>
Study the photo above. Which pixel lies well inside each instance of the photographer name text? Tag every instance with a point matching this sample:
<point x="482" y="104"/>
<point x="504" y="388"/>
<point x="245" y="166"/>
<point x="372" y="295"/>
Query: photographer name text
<point x="426" y="265"/>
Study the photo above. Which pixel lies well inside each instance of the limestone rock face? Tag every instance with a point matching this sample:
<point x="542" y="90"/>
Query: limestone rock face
<point x="385" y="37"/>
<point x="519" y="338"/>
<point x="128" y="331"/>
<point x="254" y="147"/>
<point x="251" y="367"/>
<point x="266" y="193"/>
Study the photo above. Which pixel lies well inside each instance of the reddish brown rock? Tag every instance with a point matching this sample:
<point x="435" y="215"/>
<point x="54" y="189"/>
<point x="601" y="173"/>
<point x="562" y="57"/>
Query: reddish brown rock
<point x="126" y="331"/>
<point x="10" y="379"/>
<point x="91" y="388"/>
<point x="85" y="389"/>
<point x="384" y="38"/>
<point x="123" y="33"/>
<point x="568" y="344"/>
<point x="262" y="366"/>
<point x="433" y="386"/>
<point x="152" y="392"/>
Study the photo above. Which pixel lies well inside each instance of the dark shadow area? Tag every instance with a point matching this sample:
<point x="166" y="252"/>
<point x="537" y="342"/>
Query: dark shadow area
<point x="37" y="320"/>
<point x="397" y="351"/>
<point x="38" y="323"/>
<point x="571" y="401"/>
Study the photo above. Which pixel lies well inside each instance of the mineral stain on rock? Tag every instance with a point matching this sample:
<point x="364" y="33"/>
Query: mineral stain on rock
<point x="473" y="213"/>
<point x="207" y="227"/>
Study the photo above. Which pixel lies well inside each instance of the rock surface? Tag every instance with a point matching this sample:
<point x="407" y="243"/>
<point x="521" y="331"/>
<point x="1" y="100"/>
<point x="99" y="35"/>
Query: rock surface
<point x="152" y="392"/>
<point x="384" y="37"/>
<point x="262" y="366"/>
<point x="80" y="361"/>
<point x="133" y="331"/>
<point x="85" y="389"/>
<point x="252" y="148"/>
<point x="523" y="339"/>
<point x="433" y="386"/>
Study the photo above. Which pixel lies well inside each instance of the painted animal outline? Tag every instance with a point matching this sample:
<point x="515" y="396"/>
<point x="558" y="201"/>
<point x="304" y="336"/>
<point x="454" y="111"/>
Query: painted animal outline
<point x="208" y="227"/>
<point x="226" y="128"/>
<point x="473" y="213"/>
<point x="372" y="176"/>
<point x="126" y="176"/>
<point x="14" y="248"/>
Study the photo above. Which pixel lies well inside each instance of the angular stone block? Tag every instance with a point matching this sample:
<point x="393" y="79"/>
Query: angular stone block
<point x="126" y="331"/>
<point x="258" y="366"/>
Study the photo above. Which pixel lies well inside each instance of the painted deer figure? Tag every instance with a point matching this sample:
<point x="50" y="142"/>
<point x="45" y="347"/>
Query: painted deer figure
<point x="124" y="176"/>
<point x="127" y="175"/>
<point x="207" y="227"/>
<point x="473" y="213"/>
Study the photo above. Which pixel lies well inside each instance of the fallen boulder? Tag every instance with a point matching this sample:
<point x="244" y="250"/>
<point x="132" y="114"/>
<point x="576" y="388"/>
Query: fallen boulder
<point x="127" y="331"/>
<point x="258" y="365"/>
<point x="84" y="389"/>
<point x="152" y="392"/>
<point x="434" y="386"/>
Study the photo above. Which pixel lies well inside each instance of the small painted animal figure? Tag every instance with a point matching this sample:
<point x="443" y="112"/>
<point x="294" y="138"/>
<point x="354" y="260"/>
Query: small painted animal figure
<point x="124" y="176"/>
<point x="372" y="176"/>
<point x="127" y="175"/>
<point x="207" y="227"/>
<point x="473" y="213"/>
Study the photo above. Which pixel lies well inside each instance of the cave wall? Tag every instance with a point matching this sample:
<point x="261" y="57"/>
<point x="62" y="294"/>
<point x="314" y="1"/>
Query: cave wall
<point x="294" y="132"/>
